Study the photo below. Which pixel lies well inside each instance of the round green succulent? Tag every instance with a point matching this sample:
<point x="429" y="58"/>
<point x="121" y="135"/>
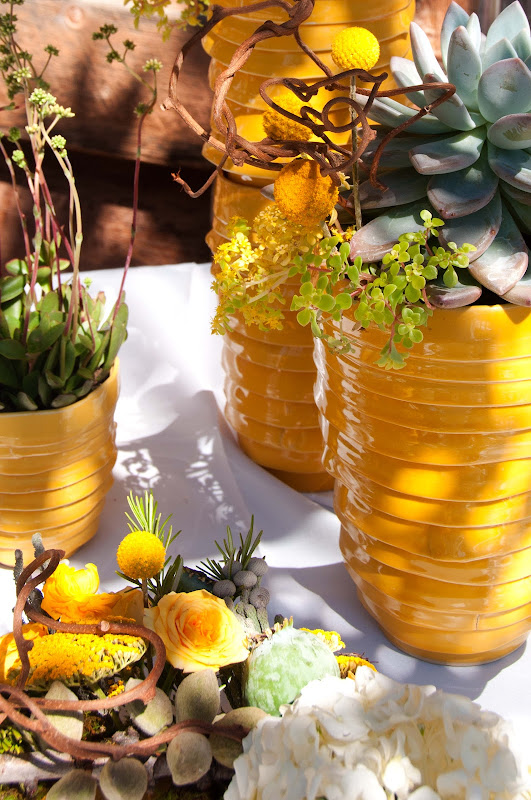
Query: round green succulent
<point x="282" y="665"/>
<point x="469" y="159"/>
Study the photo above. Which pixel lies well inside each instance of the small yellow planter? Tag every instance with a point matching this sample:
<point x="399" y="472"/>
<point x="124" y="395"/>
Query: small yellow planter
<point x="433" y="491"/>
<point x="55" y="470"/>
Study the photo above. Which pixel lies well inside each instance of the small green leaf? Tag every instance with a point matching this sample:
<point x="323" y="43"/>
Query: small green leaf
<point x="49" y="303"/>
<point x="326" y="302"/>
<point x="303" y="317"/>
<point x="40" y="340"/>
<point x="17" y="266"/>
<point x="344" y="301"/>
<point x="63" y="400"/>
<point x="11" y="348"/>
<point x="25" y="403"/>
<point x="12" y="287"/>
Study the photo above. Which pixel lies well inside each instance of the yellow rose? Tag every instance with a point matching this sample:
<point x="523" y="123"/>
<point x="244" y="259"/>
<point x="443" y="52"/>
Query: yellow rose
<point x="198" y="630"/>
<point x="9" y="657"/>
<point x="70" y="595"/>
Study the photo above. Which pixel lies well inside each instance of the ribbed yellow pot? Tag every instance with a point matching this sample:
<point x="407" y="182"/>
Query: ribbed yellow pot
<point x="55" y="470"/>
<point x="433" y="490"/>
<point x="269" y="376"/>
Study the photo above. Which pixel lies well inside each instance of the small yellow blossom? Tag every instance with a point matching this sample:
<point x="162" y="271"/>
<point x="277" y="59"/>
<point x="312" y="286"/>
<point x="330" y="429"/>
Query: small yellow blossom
<point x="349" y="663"/>
<point x="303" y="195"/>
<point x="252" y="265"/>
<point x="70" y="594"/>
<point x="279" y="127"/>
<point x="9" y="657"/>
<point x="117" y="688"/>
<point x="330" y="638"/>
<point x="355" y="48"/>
<point x="141" y="555"/>
<point x="76" y="658"/>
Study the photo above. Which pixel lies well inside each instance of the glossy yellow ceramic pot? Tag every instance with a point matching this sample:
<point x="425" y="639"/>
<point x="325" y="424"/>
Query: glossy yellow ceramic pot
<point x="269" y="375"/>
<point x="433" y="490"/>
<point x="55" y="470"/>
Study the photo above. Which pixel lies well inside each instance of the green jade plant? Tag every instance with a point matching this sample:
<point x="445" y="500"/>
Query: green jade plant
<point x="56" y="344"/>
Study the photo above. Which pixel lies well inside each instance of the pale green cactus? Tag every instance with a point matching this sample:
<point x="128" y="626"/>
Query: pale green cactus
<point x="468" y="161"/>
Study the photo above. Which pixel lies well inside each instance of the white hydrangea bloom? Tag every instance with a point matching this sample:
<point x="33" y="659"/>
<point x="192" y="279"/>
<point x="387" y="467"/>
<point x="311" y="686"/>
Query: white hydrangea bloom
<point x="373" y="738"/>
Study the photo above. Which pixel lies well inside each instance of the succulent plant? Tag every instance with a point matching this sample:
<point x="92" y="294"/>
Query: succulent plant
<point x="469" y="158"/>
<point x="282" y="665"/>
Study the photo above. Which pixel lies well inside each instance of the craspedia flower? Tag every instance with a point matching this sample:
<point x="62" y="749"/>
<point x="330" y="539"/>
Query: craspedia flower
<point x="303" y="195"/>
<point x="140" y="555"/>
<point x="355" y="48"/>
<point x="278" y="127"/>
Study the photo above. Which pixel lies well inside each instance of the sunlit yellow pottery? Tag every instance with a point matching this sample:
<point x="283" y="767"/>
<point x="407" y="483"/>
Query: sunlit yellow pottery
<point x="55" y="470"/>
<point x="433" y="490"/>
<point x="318" y="35"/>
<point x="346" y="12"/>
<point x="269" y="375"/>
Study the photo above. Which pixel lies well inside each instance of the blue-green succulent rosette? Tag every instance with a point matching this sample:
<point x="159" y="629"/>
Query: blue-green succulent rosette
<point x="468" y="160"/>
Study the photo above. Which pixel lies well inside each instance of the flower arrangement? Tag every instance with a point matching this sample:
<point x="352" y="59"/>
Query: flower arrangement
<point x="57" y="341"/>
<point x="450" y="236"/>
<point x="164" y="687"/>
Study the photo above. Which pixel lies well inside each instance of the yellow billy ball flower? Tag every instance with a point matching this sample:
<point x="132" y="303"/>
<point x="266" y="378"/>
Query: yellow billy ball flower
<point x="303" y="195"/>
<point x="140" y="555"/>
<point x="277" y="126"/>
<point x="355" y="48"/>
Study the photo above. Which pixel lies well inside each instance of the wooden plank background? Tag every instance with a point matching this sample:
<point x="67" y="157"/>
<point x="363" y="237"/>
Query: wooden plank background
<point x="101" y="138"/>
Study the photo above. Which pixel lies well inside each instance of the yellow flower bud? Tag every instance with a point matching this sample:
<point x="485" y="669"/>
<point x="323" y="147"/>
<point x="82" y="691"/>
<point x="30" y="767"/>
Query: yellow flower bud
<point x="355" y="48"/>
<point x="303" y="195"/>
<point x="279" y="127"/>
<point x="141" y="555"/>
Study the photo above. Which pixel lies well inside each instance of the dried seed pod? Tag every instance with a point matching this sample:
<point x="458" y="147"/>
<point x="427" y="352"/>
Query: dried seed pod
<point x="223" y="589"/>
<point x="259" y="597"/>
<point x="244" y="578"/>
<point x="258" y="566"/>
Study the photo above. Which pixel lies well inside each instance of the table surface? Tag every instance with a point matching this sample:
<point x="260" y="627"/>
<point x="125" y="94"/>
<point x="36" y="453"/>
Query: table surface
<point x="173" y="440"/>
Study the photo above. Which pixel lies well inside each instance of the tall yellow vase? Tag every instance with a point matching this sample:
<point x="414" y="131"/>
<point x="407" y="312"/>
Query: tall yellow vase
<point x="55" y="470"/>
<point x="269" y="375"/>
<point x="433" y="491"/>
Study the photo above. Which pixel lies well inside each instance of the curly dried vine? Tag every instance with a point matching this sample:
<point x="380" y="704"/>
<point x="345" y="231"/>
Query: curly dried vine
<point x="332" y="158"/>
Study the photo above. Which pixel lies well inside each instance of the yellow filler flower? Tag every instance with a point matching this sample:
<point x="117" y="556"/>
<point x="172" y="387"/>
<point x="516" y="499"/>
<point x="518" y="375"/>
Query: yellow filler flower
<point x="141" y="555"/>
<point x="303" y="195"/>
<point x="355" y="48"/>
<point x="278" y="127"/>
<point x="77" y="658"/>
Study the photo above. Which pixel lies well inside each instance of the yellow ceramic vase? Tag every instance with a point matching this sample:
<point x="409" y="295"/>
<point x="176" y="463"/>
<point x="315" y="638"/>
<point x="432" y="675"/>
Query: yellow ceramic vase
<point x="55" y="470"/>
<point x="433" y="490"/>
<point x="269" y="375"/>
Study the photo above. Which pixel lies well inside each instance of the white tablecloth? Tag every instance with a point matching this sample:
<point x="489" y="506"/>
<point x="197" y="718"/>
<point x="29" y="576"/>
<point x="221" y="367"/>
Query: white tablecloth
<point x="172" y="439"/>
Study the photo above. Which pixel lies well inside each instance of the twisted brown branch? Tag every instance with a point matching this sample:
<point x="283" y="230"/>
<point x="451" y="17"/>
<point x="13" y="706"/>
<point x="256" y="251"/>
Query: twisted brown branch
<point x="269" y="154"/>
